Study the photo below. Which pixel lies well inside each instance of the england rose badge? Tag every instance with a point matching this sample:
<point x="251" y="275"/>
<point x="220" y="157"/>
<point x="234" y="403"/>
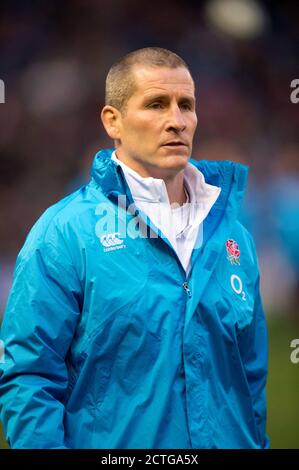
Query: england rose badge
<point x="233" y="251"/>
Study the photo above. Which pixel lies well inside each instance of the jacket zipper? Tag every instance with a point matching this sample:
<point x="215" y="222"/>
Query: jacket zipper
<point x="187" y="289"/>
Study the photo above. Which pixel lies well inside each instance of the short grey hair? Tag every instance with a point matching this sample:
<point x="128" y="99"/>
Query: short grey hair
<point x="120" y="82"/>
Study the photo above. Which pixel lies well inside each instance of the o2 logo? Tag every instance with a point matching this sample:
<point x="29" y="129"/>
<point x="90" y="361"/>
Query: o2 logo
<point x="237" y="286"/>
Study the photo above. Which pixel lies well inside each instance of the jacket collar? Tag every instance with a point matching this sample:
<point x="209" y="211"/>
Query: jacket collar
<point x="229" y="176"/>
<point x="108" y="175"/>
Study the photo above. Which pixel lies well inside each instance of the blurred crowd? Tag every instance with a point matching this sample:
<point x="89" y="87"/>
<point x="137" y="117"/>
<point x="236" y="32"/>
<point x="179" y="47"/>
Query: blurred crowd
<point x="54" y="59"/>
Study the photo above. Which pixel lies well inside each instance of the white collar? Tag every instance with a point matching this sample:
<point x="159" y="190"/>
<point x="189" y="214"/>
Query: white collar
<point x="149" y="189"/>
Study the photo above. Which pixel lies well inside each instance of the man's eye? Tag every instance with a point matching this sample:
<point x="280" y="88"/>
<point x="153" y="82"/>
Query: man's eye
<point x="156" y="105"/>
<point x="186" y="106"/>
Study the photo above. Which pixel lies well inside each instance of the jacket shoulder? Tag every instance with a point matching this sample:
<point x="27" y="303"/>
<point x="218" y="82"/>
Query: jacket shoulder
<point x="242" y="233"/>
<point x="52" y="222"/>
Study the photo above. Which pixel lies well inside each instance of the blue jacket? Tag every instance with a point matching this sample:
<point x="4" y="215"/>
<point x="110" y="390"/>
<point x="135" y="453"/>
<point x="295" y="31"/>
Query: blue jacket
<point x="109" y="345"/>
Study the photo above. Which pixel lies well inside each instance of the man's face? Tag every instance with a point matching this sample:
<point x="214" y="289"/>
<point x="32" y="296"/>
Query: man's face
<point x="157" y="128"/>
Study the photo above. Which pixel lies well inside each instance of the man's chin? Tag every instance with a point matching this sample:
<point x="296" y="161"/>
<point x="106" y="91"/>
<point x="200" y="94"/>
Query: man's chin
<point x="176" y="160"/>
<point x="171" y="166"/>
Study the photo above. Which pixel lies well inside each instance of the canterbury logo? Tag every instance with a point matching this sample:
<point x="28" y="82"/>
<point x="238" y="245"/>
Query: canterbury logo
<point x="111" y="241"/>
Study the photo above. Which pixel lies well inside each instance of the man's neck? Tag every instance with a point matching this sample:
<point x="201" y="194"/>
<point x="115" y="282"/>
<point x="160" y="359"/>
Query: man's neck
<point x="175" y="189"/>
<point x="174" y="183"/>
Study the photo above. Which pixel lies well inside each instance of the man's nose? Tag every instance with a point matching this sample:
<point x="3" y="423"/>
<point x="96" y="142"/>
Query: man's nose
<point x="176" y="119"/>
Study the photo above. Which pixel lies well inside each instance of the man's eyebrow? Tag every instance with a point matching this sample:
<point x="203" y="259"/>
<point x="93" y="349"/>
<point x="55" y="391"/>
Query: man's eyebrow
<point x="162" y="97"/>
<point x="188" y="99"/>
<point x="156" y="97"/>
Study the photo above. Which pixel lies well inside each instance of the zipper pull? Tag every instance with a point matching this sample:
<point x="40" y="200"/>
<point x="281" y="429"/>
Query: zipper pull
<point x="187" y="290"/>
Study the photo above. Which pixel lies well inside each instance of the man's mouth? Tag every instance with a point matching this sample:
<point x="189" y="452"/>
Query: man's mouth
<point x="174" y="143"/>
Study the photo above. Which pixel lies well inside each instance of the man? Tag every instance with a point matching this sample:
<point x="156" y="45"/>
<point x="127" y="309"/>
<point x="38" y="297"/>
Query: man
<point x="134" y="319"/>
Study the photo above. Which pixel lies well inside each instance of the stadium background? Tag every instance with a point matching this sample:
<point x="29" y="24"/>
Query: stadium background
<point x="54" y="56"/>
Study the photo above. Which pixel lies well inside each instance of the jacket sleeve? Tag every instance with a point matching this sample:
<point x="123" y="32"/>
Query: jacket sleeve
<point x="253" y="344"/>
<point x="37" y="330"/>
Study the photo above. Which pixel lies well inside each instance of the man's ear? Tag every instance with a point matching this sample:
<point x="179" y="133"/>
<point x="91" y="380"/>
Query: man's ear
<point x="111" y="121"/>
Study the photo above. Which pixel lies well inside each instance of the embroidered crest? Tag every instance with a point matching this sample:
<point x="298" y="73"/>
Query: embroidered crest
<point x="233" y="251"/>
